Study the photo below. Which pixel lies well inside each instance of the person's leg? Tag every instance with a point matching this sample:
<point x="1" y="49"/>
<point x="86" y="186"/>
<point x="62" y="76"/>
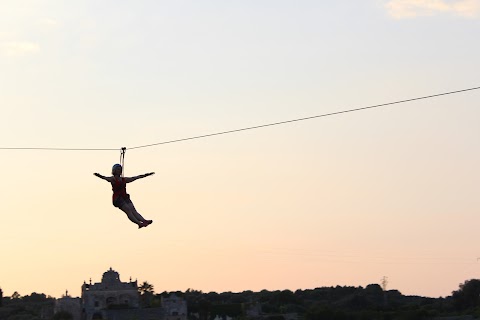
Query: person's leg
<point x="130" y="214"/>
<point x="137" y="215"/>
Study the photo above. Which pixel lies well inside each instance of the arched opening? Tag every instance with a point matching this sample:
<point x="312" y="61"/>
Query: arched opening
<point x="111" y="301"/>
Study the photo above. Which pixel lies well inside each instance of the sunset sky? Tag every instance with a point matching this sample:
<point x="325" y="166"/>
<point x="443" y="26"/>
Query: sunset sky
<point x="339" y="200"/>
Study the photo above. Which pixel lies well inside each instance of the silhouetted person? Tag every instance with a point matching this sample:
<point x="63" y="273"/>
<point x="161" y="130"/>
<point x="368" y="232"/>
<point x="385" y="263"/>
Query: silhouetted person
<point x="120" y="198"/>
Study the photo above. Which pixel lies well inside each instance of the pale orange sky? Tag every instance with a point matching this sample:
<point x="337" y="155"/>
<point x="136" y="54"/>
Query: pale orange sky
<point x="343" y="200"/>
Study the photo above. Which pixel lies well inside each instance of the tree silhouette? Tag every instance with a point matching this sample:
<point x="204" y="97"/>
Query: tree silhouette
<point x="146" y="293"/>
<point x="468" y="295"/>
<point x="146" y="288"/>
<point x="16" y="295"/>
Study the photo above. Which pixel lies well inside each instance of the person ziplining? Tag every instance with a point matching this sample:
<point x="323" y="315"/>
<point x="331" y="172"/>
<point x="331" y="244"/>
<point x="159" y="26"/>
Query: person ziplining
<point x="121" y="199"/>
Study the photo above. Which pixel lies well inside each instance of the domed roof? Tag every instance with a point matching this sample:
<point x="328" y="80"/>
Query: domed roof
<point x="111" y="277"/>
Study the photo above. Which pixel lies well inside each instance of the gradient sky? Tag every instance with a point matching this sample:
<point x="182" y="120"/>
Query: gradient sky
<point x="343" y="200"/>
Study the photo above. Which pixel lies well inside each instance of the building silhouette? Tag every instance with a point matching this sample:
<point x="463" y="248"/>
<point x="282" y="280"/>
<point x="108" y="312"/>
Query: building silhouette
<point x="175" y="308"/>
<point x="110" y="294"/>
<point x="112" y="299"/>
<point x="70" y="305"/>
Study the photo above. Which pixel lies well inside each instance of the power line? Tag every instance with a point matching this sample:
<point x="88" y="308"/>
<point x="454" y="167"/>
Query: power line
<point x="247" y="128"/>
<point x="306" y="118"/>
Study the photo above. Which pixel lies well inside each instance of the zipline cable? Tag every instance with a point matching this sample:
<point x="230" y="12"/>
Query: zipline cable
<point x="59" y="149"/>
<point x="306" y="118"/>
<point x="247" y="128"/>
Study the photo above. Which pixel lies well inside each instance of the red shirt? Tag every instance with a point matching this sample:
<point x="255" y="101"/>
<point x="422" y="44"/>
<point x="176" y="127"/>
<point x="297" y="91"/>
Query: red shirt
<point x="119" y="188"/>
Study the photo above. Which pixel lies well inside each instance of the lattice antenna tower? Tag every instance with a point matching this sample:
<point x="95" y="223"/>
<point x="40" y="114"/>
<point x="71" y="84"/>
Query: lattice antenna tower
<point x="384" y="283"/>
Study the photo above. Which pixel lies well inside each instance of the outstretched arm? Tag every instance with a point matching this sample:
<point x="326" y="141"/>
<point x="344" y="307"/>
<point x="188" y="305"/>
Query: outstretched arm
<point x="131" y="179"/>
<point x="109" y="179"/>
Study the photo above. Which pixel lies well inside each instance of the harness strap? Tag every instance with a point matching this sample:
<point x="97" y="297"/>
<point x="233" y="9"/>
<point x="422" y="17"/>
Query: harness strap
<point x="122" y="159"/>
